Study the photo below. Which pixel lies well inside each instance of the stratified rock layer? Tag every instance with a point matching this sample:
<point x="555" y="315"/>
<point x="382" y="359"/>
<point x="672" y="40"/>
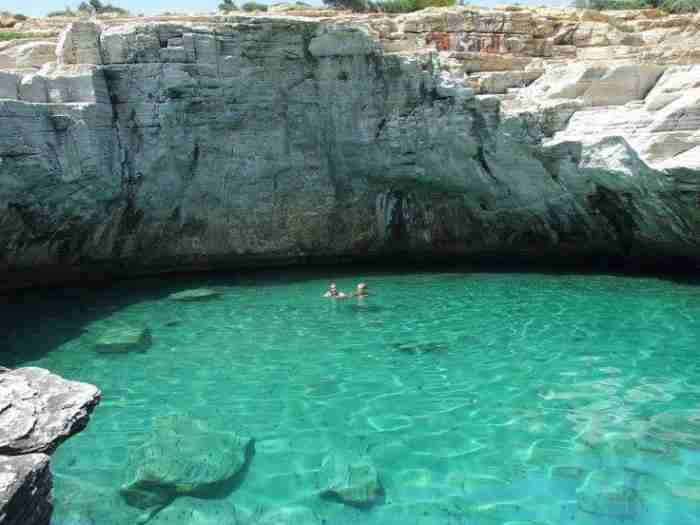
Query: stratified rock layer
<point x="38" y="411"/>
<point x="231" y="141"/>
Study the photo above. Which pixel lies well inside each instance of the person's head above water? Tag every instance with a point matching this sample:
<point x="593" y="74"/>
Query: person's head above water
<point x="332" y="290"/>
<point x="361" y="289"/>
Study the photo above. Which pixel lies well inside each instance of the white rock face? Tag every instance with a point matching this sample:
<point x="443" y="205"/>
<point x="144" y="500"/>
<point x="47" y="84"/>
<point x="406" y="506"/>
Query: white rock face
<point x="660" y="123"/>
<point x="224" y="141"/>
<point x="622" y="84"/>
<point x="672" y="85"/>
<point x="80" y="44"/>
<point x="597" y="85"/>
<point x="29" y="55"/>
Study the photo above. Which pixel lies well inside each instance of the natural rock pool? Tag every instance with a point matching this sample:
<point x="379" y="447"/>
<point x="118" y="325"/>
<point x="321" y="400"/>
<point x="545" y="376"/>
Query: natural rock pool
<point x="442" y="398"/>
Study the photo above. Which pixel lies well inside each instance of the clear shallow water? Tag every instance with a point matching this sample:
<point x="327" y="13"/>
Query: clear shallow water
<point x="480" y="398"/>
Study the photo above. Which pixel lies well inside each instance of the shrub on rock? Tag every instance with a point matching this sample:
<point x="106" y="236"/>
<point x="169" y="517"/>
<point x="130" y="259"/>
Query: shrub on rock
<point x="254" y="6"/>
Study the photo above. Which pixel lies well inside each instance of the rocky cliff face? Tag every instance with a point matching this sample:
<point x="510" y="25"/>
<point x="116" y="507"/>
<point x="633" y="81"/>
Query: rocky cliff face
<point x="247" y="140"/>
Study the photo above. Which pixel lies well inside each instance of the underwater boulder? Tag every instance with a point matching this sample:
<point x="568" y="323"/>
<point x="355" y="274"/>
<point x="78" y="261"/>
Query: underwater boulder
<point x="421" y="348"/>
<point x="79" y="502"/>
<point x="119" y="340"/>
<point x="185" y="457"/>
<point x="352" y="481"/>
<point x="198" y="511"/>
<point x="611" y="493"/>
<point x="195" y="294"/>
<point x="295" y="515"/>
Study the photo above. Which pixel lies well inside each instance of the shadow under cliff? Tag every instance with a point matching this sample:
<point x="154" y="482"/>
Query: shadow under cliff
<point x="33" y="322"/>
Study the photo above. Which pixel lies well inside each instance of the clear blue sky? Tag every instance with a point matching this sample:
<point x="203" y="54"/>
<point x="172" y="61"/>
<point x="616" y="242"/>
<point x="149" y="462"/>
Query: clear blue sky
<point x="41" y="7"/>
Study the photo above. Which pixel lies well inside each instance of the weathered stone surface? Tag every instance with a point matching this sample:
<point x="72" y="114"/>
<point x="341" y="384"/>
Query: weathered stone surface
<point x="195" y="294"/>
<point x="672" y="85"/>
<point x="660" y="129"/>
<point x="79" y="44"/>
<point x="622" y="84"/>
<point x="25" y="490"/>
<point x="39" y="410"/>
<point x="122" y="339"/>
<point x="9" y="85"/>
<point x="350" y="480"/>
<point x="344" y="42"/>
<point x="184" y="457"/>
<point x="27" y="55"/>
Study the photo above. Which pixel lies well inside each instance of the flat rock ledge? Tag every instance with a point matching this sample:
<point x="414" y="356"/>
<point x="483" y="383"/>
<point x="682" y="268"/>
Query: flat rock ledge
<point x="196" y="294"/>
<point x="38" y="411"/>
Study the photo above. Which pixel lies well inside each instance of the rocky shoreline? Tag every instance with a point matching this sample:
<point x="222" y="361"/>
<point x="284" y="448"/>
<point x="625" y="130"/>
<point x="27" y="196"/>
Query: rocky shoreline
<point x="143" y="146"/>
<point x="38" y="411"/>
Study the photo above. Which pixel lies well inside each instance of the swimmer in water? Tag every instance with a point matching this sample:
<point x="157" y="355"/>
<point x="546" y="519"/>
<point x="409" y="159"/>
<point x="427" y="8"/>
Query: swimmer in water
<point x="361" y="290"/>
<point x="333" y="292"/>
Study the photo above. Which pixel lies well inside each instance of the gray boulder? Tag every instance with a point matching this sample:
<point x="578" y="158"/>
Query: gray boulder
<point x="352" y="481"/>
<point x="184" y="457"/>
<point x="39" y="410"/>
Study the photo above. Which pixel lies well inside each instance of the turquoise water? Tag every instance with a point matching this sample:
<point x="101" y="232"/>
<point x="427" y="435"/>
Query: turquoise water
<point x="480" y="398"/>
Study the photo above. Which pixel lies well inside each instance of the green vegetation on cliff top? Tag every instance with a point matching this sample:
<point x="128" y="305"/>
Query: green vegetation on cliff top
<point x="670" y="6"/>
<point x="388" y="6"/>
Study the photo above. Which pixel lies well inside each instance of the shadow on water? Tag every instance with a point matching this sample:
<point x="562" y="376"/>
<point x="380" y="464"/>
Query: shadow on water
<point x="35" y="321"/>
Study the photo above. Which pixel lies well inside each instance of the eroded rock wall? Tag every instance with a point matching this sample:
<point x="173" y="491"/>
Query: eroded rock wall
<point x="163" y="145"/>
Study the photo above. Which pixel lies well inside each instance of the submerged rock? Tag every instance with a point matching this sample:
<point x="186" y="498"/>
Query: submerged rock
<point x="196" y="294"/>
<point x="611" y="494"/>
<point x="420" y="348"/>
<point x="184" y="457"/>
<point x="124" y="339"/>
<point x="86" y="502"/>
<point x="198" y="511"/>
<point x="290" y="516"/>
<point x="352" y="481"/>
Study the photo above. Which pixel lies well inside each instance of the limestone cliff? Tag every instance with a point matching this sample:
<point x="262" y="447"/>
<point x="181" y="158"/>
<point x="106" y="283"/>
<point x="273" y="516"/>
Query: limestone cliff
<point x="211" y="141"/>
